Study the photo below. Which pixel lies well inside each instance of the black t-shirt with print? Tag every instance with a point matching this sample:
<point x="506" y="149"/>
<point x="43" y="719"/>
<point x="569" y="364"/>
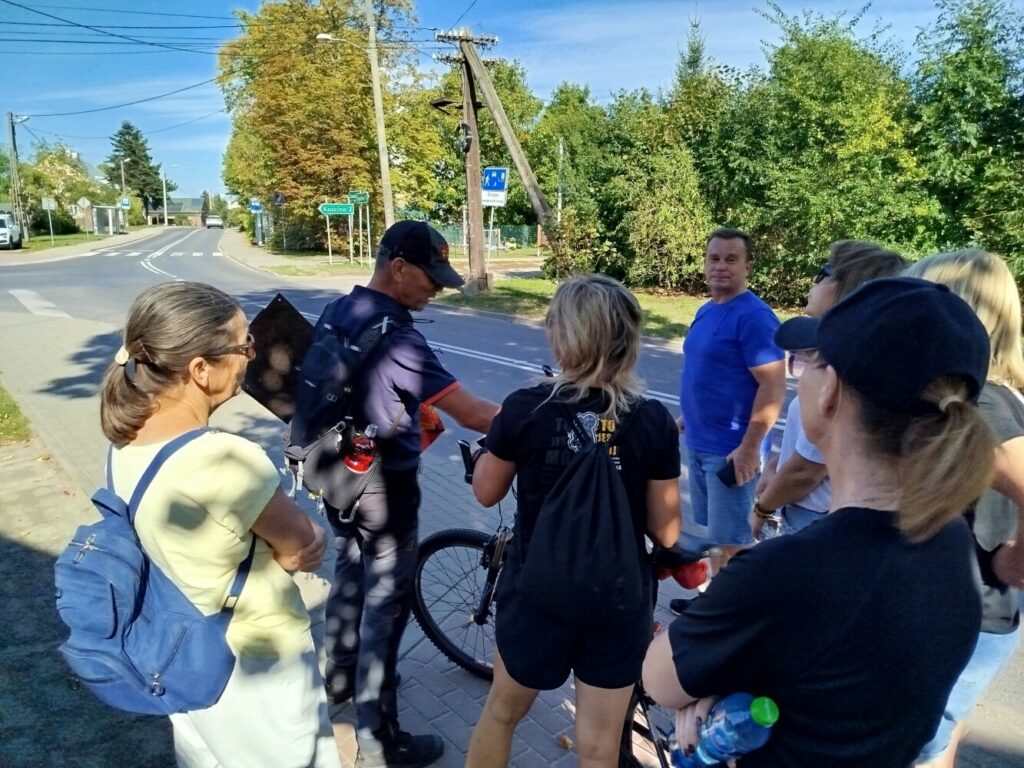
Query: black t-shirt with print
<point x="533" y="433"/>
<point x="857" y="634"/>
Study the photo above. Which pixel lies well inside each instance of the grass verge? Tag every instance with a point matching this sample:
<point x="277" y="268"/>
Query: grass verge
<point x="13" y="425"/>
<point x="666" y="316"/>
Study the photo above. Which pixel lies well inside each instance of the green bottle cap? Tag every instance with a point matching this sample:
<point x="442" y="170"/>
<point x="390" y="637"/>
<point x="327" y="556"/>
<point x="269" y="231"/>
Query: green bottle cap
<point x="764" y="711"/>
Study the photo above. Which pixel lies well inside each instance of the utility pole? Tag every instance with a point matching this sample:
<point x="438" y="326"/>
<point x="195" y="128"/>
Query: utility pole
<point x="378" y="112"/>
<point x="12" y="149"/>
<point x="538" y="201"/>
<point x="561" y="151"/>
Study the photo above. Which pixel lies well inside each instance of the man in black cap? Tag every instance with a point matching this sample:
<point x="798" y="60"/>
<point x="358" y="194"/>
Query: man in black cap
<point x="368" y="605"/>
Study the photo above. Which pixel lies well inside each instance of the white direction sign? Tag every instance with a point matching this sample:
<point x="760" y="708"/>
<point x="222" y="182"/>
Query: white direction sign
<point x="49" y="204"/>
<point x="494" y="187"/>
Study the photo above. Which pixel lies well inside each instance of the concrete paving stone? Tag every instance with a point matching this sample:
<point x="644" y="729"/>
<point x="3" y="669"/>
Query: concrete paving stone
<point x="435" y="681"/>
<point x="464" y="705"/>
<point x="472" y="685"/>
<point x="425" y="701"/>
<point x="548" y="746"/>
<point x="453" y="728"/>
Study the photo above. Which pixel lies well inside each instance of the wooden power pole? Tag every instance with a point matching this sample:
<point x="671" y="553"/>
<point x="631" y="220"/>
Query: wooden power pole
<point x="473" y="73"/>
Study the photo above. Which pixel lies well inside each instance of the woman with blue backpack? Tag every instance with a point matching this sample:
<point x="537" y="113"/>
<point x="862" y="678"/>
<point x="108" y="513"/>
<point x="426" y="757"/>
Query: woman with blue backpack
<point x="596" y="467"/>
<point x="214" y="505"/>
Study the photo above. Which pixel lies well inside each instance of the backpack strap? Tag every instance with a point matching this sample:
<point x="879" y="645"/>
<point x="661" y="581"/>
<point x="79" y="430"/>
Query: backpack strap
<point x="154" y="466"/>
<point x="143" y="485"/>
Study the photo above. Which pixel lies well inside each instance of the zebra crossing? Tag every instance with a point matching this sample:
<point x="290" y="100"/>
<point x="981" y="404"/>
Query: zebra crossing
<point x="172" y="254"/>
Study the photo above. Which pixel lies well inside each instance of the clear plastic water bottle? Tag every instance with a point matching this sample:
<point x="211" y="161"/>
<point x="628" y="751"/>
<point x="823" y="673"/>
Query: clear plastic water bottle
<point x="364" y="450"/>
<point x="736" y="725"/>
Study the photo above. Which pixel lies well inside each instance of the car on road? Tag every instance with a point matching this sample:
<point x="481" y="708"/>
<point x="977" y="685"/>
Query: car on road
<point x="214" y="221"/>
<point x="10" y="232"/>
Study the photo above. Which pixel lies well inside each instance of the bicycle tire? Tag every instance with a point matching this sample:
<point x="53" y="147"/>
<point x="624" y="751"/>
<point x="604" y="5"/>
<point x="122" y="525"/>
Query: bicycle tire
<point x="447" y="586"/>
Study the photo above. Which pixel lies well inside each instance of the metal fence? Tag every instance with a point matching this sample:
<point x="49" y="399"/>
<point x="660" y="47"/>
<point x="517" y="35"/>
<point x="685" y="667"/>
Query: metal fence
<point x="505" y="237"/>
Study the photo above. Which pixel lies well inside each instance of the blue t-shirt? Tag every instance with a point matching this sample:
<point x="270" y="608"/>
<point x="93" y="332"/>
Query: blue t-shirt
<point x="717" y="389"/>
<point x="403" y="373"/>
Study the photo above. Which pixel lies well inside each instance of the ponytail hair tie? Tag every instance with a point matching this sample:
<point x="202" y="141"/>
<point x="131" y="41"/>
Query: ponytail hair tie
<point x="122" y="357"/>
<point x="944" y="402"/>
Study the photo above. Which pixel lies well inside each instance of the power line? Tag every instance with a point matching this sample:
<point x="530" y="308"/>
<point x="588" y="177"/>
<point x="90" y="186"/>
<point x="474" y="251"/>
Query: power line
<point x="468" y="9"/>
<point x="140" y="13"/>
<point x="83" y="26"/>
<point x="146" y="132"/>
<point x="128" y="104"/>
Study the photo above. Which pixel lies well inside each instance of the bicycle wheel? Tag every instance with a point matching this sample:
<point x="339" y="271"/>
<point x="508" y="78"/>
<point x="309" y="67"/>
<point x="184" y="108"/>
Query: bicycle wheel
<point x="449" y="582"/>
<point x="643" y="744"/>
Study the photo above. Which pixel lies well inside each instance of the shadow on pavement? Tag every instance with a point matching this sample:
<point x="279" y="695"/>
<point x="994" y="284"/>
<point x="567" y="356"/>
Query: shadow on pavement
<point x="43" y="721"/>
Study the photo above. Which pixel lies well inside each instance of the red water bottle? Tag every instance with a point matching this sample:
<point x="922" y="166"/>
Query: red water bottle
<point x="364" y="450"/>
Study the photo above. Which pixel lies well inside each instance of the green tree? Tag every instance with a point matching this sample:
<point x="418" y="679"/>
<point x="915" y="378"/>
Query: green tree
<point x="130" y="151"/>
<point x="969" y="86"/>
<point x="818" y="149"/>
<point x="302" y="112"/>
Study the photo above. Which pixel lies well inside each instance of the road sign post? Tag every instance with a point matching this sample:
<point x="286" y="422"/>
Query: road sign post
<point x="49" y="204"/>
<point x="330" y="252"/>
<point x="351" y="250"/>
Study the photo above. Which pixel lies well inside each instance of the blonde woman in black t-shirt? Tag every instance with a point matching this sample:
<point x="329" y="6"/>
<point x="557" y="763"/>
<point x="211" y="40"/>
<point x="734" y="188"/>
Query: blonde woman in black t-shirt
<point x="593" y="327"/>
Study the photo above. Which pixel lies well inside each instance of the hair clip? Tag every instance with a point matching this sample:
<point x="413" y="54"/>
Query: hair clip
<point x="122" y="357"/>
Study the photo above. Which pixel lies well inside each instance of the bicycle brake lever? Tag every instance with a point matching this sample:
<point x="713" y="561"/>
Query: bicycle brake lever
<point x="467" y="460"/>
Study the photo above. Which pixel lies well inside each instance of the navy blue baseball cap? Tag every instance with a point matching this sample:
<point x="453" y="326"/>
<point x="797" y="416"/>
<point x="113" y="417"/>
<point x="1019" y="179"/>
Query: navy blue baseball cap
<point x="894" y="336"/>
<point x="419" y="243"/>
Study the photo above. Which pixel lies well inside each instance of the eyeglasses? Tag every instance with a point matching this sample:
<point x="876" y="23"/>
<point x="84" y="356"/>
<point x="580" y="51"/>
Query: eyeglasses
<point x="248" y="349"/>
<point x="799" y="360"/>
<point x="826" y="271"/>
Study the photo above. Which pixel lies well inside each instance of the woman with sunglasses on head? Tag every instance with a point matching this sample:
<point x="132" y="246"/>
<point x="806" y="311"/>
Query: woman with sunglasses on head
<point x="184" y="353"/>
<point x="796" y="480"/>
<point x="984" y="281"/>
<point x="856" y="626"/>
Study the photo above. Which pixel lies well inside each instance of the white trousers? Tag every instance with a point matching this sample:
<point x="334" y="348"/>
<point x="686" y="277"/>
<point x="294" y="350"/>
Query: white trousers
<point x="272" y="714"/>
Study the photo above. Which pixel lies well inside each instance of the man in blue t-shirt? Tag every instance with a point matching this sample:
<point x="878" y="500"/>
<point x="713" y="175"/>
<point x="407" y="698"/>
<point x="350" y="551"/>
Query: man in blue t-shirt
<point x="369" y="602"/>
<point x="733" y="382"/>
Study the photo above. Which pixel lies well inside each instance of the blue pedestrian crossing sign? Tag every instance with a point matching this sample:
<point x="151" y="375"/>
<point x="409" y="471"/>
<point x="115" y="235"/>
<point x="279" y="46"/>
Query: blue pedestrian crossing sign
<point x="494" y="187"/>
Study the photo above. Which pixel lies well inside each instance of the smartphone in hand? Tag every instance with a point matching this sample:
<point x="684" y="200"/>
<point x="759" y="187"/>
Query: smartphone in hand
<point x="727" y="475"/>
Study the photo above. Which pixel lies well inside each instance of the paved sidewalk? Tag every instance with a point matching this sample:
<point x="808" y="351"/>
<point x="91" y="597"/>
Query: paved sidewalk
<point x="61" y="252"/>
<point x="44" y="723"/>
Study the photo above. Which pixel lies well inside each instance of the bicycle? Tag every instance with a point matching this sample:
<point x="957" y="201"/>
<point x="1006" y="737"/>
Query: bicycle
<point x="453" y="601"/>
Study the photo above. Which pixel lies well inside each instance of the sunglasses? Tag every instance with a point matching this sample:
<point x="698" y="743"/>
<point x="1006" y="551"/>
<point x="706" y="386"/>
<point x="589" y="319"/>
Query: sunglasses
<point x="248" y="349"/>
<point x="826" y="271"/>
<point x="800" y="360"/>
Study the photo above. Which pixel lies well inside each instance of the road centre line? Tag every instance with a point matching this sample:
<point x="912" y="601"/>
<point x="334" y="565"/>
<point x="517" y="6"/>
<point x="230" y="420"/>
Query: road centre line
<point x="511" y="362"/>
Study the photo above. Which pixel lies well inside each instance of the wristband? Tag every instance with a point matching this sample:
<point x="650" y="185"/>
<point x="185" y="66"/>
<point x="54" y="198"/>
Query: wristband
<point x="760" y="511"/>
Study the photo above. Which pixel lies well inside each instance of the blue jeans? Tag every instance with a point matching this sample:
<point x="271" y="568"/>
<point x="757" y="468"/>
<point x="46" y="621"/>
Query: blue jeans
<point x="796" y="518"/>
<point x="990" y="655"/>
<point x="724" y="510"/>
<point x="368" y="605"/>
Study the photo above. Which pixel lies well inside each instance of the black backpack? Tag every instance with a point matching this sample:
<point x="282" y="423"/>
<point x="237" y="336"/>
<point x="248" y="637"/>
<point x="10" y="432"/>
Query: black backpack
<point x="583" y="561"/>
<point x="323" y="424"/>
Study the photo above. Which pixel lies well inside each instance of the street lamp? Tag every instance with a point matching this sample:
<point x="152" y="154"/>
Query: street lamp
<point x="378" y="112"/>
<point x="123" y="161"/>
<point x="162" y="168"/>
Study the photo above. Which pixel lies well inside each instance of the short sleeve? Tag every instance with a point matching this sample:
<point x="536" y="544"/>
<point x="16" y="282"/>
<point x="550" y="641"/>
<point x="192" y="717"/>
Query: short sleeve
<point x="999" y="414"/>
<point x="805" y="447"/>
<point x="416" y="369"/>
<point x="757" y="338"/>
<point x="232" y="479"/>
<point x="665" y="459"/>
<point x="719" y="644"/>
<point x="504" y="435"/>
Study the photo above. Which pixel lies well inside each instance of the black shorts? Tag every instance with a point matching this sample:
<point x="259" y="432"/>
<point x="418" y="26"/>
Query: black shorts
<point x="540" y="649"/>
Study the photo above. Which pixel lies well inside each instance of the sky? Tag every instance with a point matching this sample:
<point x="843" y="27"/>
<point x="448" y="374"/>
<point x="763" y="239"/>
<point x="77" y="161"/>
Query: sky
<point x="53" y="63"/>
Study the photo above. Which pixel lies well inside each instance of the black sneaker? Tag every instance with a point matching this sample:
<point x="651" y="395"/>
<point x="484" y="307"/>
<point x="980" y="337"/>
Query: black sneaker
<point x="680" y="604"/>
<point x="399" y="750"/>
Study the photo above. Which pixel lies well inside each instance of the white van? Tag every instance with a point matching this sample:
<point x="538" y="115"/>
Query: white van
<point x="10" y="232"/>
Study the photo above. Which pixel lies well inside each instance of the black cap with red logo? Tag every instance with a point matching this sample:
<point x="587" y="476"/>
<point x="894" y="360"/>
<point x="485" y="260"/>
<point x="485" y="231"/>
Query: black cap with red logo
<point x="419" y="243"/>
